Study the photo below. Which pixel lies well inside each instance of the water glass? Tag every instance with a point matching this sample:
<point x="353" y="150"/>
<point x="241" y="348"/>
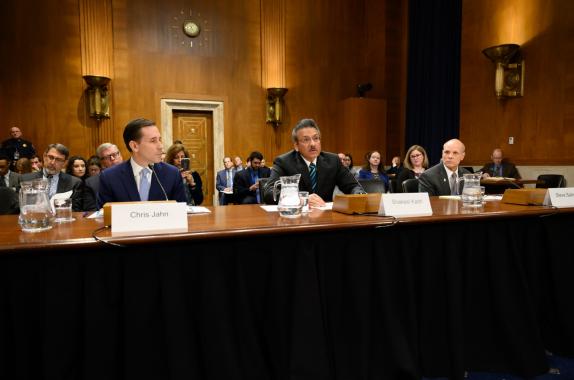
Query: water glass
<point x="63" y="208"/>
<point x="471" y="196"/>
<point x="304" y="198"/>
<point x="482" y="193"/>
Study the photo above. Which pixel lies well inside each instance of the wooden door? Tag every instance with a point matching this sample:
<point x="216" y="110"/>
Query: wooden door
<point x="195" y="130"/>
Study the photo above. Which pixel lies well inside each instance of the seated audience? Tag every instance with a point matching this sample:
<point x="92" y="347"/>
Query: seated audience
<point x="36" y="163"/>
<point x="94" y="166"/>
<point x="442" y="179"/>
<point x="54" y="159"/>
<point x="415" y="163"/>
<point x="191" y="179"/>
<point x="77" y="167"/>
<point x="499" y="167"/>
<point x="374" y="168"/>
<point x="396" y="167"/>
<point x="8" y="178"/>
<point x="246" y="182"/>
<point x="23" y="166"/>
<point x="107" y="155"/>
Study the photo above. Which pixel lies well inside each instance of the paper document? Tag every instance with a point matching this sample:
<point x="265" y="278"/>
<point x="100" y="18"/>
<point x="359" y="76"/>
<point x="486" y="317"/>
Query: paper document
<point x="197" y="210"/>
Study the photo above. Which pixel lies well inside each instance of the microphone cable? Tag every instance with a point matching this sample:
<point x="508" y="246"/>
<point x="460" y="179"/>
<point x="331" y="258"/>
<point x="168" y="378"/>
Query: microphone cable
<point x="100" y="240"/>
<point x="151" y="166"/>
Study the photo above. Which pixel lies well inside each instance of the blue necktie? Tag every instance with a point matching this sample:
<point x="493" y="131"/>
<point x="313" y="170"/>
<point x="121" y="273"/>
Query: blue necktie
<point x="255" y="177"/>
<point x="313" y="176"/>
<point x="144" y="185"/>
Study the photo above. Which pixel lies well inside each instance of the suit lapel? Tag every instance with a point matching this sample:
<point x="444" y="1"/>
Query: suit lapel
<point x="128" y="182"/>
<point x="304" y="170"/>
<point x="444" y="182"/>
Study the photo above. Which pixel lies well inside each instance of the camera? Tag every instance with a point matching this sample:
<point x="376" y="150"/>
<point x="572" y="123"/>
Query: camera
<point x="185" y="164"/>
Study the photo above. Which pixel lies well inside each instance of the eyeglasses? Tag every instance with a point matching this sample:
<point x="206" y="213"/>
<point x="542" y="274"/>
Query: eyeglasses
<point x="111" y="156"/>
<point x="413" y="156"/>
<point x="307" y="140"/>
<point x="346" y="159"/>
<point x="56" y="159"/>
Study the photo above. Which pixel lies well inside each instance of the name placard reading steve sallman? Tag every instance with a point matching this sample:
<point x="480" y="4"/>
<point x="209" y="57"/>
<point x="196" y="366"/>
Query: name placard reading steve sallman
<point x="405" y="204"/>
<point x="157" y="217"/>
<point x="560" y="197"/>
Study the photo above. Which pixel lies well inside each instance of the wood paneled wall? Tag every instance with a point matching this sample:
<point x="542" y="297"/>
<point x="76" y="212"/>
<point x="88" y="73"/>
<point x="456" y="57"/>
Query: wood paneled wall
<point x="330" y="47"/>
<point x="541" y="122"/>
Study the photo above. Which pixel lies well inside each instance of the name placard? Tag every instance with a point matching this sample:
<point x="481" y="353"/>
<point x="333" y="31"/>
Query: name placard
<point x="560" y="197"/>
<point x="157" y="217"/>
<point x="405" y="204"/>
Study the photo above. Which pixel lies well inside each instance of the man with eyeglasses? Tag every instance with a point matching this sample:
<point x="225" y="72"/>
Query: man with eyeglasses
<point x="54" y="160"/>
<point x="109" y="156"/>
<point x="320" y="171"/>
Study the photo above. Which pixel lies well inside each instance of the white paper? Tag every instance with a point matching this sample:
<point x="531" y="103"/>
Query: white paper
<point x="65" y="195"/>
<point x="405" y="204"/>
<point x="559" y="197"/>
<point x="270" y="208"/>
<point x="157" y="217"/>
<point x="197" y="210"/>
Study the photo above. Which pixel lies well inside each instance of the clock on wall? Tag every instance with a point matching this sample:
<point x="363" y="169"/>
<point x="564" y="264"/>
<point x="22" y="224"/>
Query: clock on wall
<point x="190" y="29"/>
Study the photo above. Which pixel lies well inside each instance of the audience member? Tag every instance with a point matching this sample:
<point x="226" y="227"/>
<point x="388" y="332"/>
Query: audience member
<point x="238" y="163"/>
<point x="191" y="179"/>
<point x="54" y="159"/>
<point x="16" y="147"/>
<point x="246" y="182"/>
<point x="36" y="163"/>
<point x="396" y="167"/>
<point x="499" y="167"/>
<point x="374" y="168"/>
<point x="138" y="179"/>
<point x="224" y="182"/>
<point x="8" y="178"/>
<point x="77" y="167"/>
<point x="108" y="155"/>
<point x="320" y="171"/>
<point x="415" y="163"/>
<point x="23" y="166"/>
<point x="442" y="179"/>
<point x="94" y="166"/>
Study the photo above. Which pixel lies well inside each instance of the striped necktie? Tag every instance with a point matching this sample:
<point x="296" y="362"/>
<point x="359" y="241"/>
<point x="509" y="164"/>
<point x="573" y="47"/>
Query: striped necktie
<point x="313" y="176"/>
<point x="453" y="186"/>
<point x="144" y="184"/>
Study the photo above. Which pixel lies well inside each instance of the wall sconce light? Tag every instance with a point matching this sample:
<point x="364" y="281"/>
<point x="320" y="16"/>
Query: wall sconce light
<point x="98" y="96"/>
<point x="275" y="105"/>
<point x="509" y="77"/>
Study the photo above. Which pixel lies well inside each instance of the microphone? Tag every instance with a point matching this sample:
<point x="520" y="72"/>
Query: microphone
<point x="158" y="181"/>
<point x="356" y="181"/>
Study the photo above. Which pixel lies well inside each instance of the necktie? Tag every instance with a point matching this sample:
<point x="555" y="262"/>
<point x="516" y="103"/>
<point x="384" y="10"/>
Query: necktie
<point x="313" y="175"/>
<point x="2" y="181"/>
<point x="497" y="171"/>
<point x="229" y="179"/>
<point x="255" y="177"/>
<point x="453" y="186"/>
<point x="144" y="184"/>
<point x="51" y="188"/>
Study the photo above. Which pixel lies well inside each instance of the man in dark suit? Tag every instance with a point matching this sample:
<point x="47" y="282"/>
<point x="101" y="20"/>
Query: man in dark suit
<point x="441" y="179"/>
<point x="8" y="178"/>
<point x="320" y="171"/>
<point x="16" y="147"/>
<point x="224" y="181"/>
<point x="143" y="177"/>
<point x="54" y="159"/>
<point x="499" y="167"/>
<point x="109" y="156"/>
<point x="246" y="182"/>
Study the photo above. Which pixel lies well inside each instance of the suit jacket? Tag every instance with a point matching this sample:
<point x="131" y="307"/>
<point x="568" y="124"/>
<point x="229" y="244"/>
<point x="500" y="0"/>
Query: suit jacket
<point x="66" y="183"/>
<point x="9" y="203"/>
<point x="221" y="184"/>
<point x="330" y="173"/>
<point x="117" y="184"/>
<point x="14" y="180"/>
<point x="436" y="182"/>
<point x="91" y="188"/>
<point x="241" y="183"/>
<point x="508" y="170"/>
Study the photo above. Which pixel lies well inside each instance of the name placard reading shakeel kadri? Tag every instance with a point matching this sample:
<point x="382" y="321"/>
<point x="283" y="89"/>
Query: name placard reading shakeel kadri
<point x="560" y="197"/>
<point x="405" y="204"/>
<point x="161" y="217"/>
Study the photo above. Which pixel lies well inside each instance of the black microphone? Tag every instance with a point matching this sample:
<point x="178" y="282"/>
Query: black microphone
<point x="158" y="181"/>
<point x="356" y="180"/>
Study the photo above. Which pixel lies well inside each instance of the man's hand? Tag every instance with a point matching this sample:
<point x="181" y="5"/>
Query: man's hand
<point x="485" y="175"/>
<point x="316" y="201"/>
<point x="254" y="187"/>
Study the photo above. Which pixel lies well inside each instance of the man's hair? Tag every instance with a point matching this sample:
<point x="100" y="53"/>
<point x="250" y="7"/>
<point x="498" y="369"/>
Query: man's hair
<point x="255" y="154"/>
<point x="104" y="146"/>
<point x="132" y="131"/>
<point x="304" y="123"/>
<point x="93" y="160"/>
<point x="59" y="148"/>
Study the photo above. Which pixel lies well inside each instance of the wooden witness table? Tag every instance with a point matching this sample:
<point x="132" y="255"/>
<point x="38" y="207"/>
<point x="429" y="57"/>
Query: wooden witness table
<point x="247" y="294"/>
<point x="497" y="185"/>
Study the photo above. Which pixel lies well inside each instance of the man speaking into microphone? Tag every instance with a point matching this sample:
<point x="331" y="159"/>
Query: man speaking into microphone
<point x="143" y="177"/>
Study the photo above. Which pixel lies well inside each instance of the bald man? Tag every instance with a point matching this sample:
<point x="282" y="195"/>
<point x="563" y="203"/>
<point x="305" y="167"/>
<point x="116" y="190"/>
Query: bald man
<point x="441" y="179"/>
<point x="499" y="167"/>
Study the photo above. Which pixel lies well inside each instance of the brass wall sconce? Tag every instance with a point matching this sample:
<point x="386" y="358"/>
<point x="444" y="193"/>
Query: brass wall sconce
<point x="98" y="96"/>
<point x="509" y="77"/>
<point x="275" y="105"/>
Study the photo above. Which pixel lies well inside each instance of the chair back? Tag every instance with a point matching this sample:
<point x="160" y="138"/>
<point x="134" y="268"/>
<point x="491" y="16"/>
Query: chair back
<point x="410" y="185"/>
<point x="8" y="201"/>
<point x="393" y="185"/>
<point x="373" y="185"/>
<point x="550" y="181"/>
